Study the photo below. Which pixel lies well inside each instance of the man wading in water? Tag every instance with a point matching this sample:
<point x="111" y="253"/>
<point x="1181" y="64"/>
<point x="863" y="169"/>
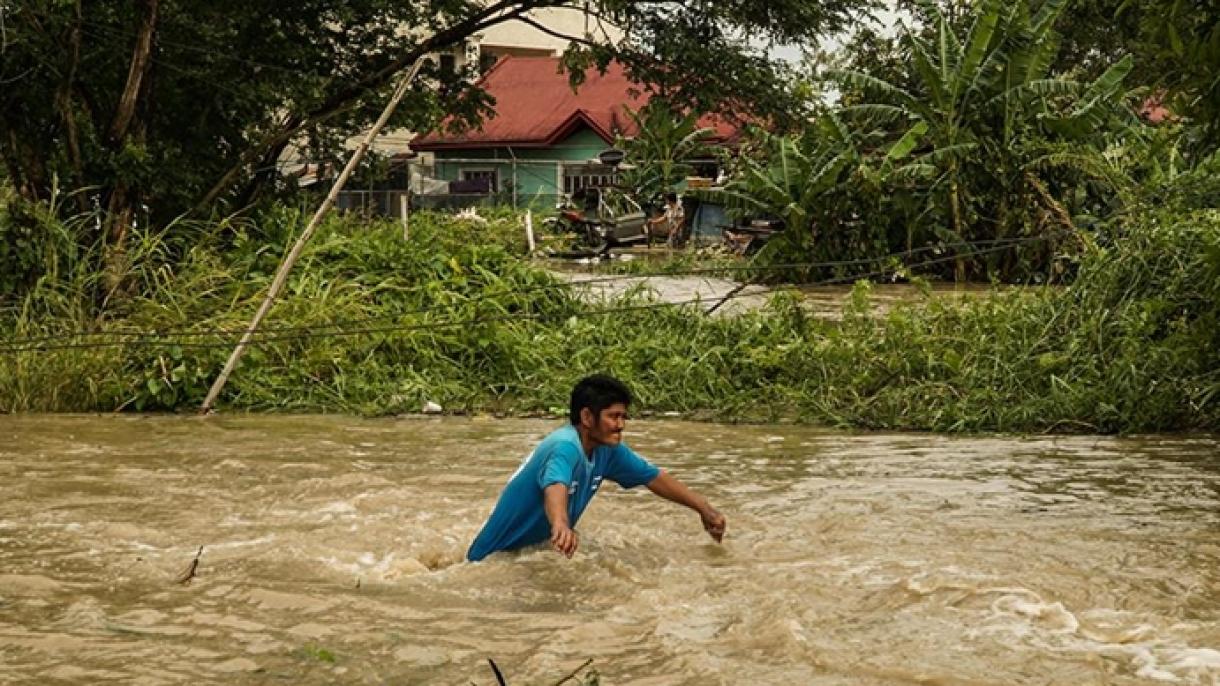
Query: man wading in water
<point x="545" y="497"/>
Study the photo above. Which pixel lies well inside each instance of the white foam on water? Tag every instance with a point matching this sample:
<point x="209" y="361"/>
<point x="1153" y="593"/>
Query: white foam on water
<point x="1192" y="665"/>
<point x="1153" y="654"/>
<point x="229" y="545"/>
<point x="1052" y="616"/>
<point x="338" y="507"/>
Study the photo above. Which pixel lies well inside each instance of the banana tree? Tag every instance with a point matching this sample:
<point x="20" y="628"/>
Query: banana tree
<point x="974" y="131"/>
<point x="810" y="182"/>
<point x="661" y="152"/>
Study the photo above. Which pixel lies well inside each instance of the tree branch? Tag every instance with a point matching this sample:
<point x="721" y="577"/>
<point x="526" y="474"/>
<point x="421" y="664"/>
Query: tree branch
<point x="348" y="97"/>
<point x="555" y="34"/>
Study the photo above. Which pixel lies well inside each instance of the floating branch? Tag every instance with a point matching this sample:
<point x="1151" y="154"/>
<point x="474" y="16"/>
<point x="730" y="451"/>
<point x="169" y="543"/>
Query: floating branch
<point x="189" y="573"/>
<point x="499" y="676"/>
<point x="572" y="675"/>
<point x="576" y="671"/>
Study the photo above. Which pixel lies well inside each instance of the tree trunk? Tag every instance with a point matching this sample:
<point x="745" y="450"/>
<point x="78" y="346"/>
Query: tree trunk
<point x="67" y="111"/>
<point x="16" y="178"/>
<point x="120" y="208"/>
<point x="30" y="175"/>
<point x="959" y="270"/>
<point x="141" y="58"/>
<point x="119" y="214"/>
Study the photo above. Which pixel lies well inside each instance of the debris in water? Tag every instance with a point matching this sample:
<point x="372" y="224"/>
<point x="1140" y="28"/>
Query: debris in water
<point x="593" y="677"/>
<point x="578" y="670"/>
<point x="432" y="408"/>
<point x="496" y="670"/>
<point x="189" y="573"/>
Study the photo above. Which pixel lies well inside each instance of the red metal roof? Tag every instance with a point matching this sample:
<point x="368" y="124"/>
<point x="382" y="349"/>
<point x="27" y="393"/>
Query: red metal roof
<point x="536" y="107"/>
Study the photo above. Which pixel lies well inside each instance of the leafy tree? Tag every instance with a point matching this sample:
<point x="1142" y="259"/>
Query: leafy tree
<point x="989" y="120"/>
<point x="185" y="106"/>
<point x="1176" y="49"/>
<point x="817" y="184"/>
<point x="661" y="152"/>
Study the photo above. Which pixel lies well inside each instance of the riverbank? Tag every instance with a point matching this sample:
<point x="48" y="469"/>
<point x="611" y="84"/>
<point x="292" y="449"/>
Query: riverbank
<point x="457" y="316"/>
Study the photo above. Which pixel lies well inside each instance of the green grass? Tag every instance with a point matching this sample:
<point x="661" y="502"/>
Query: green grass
<point x="458" y="316"/>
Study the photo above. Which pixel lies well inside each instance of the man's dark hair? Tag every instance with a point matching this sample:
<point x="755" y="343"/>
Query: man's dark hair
<point x="597" y="392"/>
<point x="671" y="197"/>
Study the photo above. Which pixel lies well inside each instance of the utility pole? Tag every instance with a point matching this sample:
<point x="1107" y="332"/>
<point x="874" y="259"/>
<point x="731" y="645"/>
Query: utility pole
<point x="281" y="275"/>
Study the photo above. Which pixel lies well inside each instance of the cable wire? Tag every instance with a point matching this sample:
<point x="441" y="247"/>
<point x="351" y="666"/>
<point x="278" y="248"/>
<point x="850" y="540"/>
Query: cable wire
<point x="303" y="333"/>
<point x="12" y="343"/>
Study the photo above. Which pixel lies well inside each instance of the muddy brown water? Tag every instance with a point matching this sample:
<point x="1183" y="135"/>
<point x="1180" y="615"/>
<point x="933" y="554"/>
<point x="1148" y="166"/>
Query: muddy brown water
<point x="333" y="554"/>
<point x="729" y="297"/>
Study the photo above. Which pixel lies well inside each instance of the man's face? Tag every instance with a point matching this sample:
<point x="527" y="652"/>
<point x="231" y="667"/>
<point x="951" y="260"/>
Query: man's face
<point x="608" y="428"/>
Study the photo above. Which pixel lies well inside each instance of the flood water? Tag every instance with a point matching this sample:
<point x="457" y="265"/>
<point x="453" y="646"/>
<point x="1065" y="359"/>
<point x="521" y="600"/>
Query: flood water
<point x="333" y="547"/>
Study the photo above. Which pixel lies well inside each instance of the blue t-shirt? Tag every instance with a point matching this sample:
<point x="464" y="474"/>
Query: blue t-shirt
<point x="519" y="518"/>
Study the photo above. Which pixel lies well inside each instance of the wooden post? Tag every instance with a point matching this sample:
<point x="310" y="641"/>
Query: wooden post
<point x="403" y="211"/>
<point x="529" y="230"/>
<point x="281" y="276"/>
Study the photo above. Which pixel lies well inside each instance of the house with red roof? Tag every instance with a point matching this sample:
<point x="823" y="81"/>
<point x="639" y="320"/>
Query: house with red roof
<point x="545" y="137"/>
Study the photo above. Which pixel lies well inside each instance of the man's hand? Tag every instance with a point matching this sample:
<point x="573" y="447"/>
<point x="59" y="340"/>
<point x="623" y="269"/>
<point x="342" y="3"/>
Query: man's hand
<point x="555" y="502"/>
<point x="563" y="539"/>
<point x="670" y="488"/>
<point x="713" y="523"/>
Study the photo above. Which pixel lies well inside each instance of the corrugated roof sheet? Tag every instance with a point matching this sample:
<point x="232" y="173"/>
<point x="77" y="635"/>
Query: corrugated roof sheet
<point x="536" y="107"/>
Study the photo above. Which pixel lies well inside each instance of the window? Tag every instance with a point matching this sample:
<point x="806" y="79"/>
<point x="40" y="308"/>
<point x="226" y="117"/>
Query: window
<point x="475" y="174"/>
<point x="578" y="176"/>
<point x="486" y="62"/>
<point x="476" y="181"/>
<point x="448" y="63"/>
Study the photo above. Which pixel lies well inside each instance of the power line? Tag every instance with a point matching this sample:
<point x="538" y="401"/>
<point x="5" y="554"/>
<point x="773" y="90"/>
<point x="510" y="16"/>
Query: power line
<point x="304" y="333"/>
<point x="11" y="344"/>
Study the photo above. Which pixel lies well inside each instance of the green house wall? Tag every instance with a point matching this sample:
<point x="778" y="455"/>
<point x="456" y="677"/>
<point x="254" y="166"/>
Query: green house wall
<point x="538" y="171"/>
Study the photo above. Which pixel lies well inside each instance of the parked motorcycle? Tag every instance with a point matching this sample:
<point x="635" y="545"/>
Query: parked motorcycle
<point x="598" y="219"/>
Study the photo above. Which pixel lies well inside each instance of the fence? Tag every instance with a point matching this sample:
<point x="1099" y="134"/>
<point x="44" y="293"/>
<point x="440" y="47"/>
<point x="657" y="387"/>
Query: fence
<point x="388" y="203"/>
<point x="521" y="183"/>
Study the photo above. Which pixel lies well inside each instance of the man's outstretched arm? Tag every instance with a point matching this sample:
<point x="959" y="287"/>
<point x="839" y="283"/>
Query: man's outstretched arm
<point x="670" y="488"/>
<point x="555" y="502"/>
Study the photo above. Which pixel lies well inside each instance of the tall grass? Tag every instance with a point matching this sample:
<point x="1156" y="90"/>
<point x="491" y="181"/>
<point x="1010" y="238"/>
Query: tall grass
<point x="457" y="316"/>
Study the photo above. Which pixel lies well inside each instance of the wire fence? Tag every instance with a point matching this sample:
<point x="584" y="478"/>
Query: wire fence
<point x="459" y="183"/>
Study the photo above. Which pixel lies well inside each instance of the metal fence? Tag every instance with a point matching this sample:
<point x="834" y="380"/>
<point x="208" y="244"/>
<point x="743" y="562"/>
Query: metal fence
<point x="373" y="203"/>
<point x="508" y="180"/>
<point x="389" y="203"/>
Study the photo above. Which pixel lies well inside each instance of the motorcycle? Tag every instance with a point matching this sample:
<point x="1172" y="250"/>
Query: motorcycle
<point x="598" y="219"/>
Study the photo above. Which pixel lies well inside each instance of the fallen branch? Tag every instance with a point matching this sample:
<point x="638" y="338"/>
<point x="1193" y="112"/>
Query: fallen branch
<point x="576" y="671"/>
<point x="189" y="573"/>
<point x="499" y="676"/>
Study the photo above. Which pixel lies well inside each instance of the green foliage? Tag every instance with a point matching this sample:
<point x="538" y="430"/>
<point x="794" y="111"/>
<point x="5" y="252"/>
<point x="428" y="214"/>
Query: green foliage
<point x="155" y="111"/>
<point x="956" y="137"/>
<point x="661" y="152"/>
<point x="372" y="324"/>
<point x="318" y="653"/>
<point x="817" y="184"/>
<point x="1176" y="45"/>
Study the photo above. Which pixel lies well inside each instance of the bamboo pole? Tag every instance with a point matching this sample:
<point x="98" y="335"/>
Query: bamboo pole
<point x="281" y="276"/>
